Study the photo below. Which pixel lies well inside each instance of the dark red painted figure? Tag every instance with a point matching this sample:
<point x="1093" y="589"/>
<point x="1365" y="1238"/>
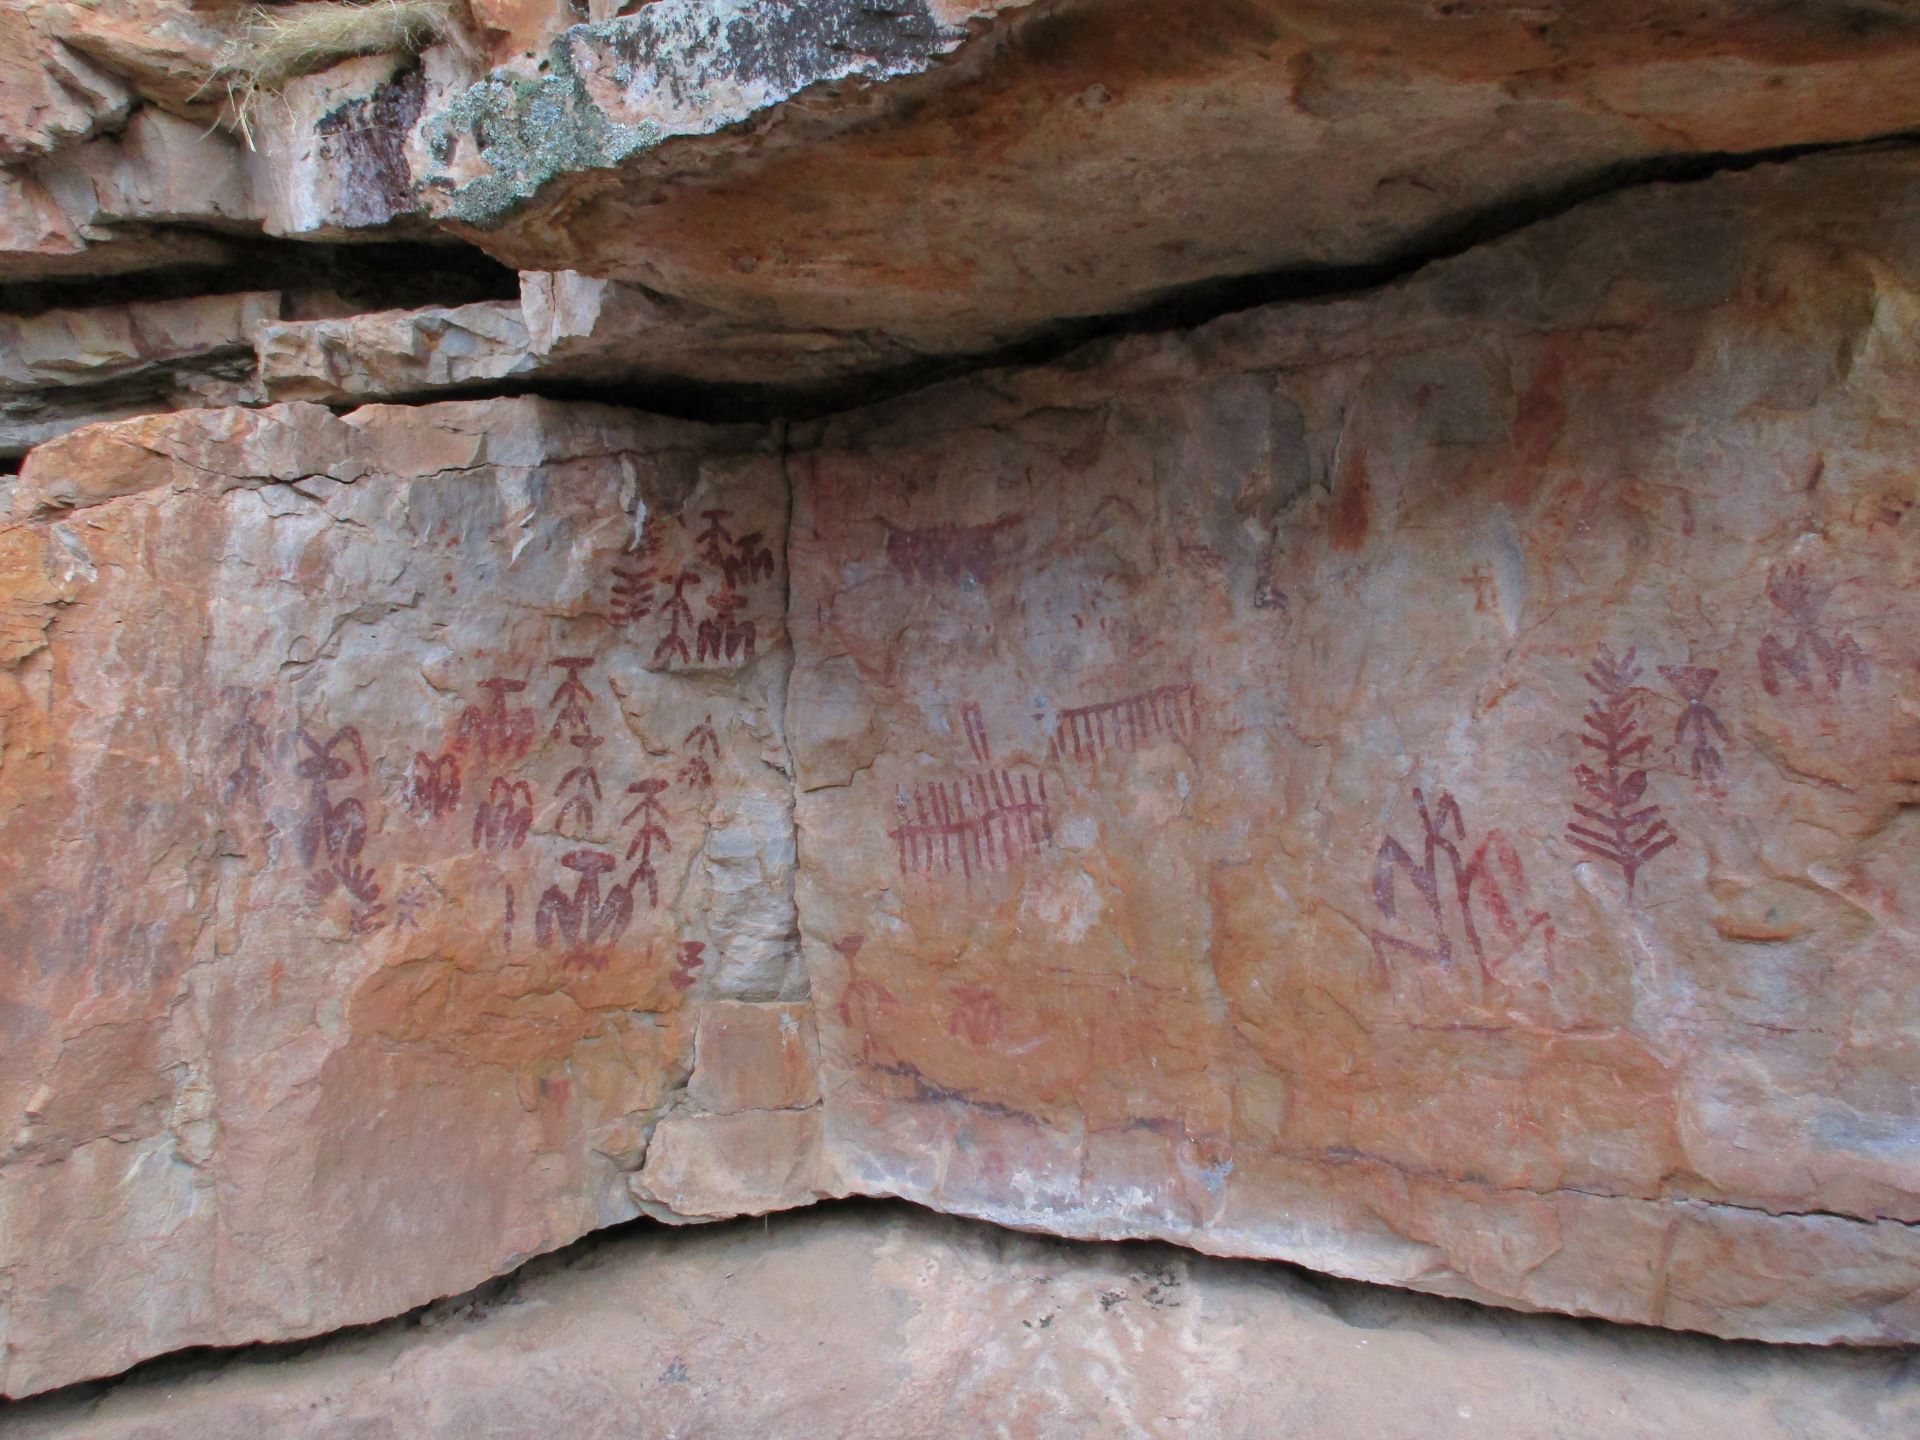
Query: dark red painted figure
<point x="696" y="772"/>
<point x="693" y="959"/>
<point x="496" y="733"/>
<point x="503" y="819"/>
<point x="1089" y="731"/>
<point x="725" y="636"/>
<point x="571" y="698"/>
<point x="979" y="822"/>
<point x="652" y="833"/>
<point x="750" y="562"/>
<point x="433" y="785"/>
<point x="333" y="833"/>
<point x="1697" y="718"/>
<point x="976" y="1016"/>
<point x="975" y="725"/>
<point x="1491" y="880"/>
<point x="580" y="789"/>
<point x="634" y="579"/>
<point x="714" y="543"/>
<point x="246" y="742"/>
<point x="1810" y="642"/>
<point x="946" y="554"/>
<point x="1616" y="822"/>
<point x="586" y="916"/>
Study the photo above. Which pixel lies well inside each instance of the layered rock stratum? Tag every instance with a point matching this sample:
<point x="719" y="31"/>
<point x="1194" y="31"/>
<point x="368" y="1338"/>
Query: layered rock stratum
<point x="1413" y="775"/>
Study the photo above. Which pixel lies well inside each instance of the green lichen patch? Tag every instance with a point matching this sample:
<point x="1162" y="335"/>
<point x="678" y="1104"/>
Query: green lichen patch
<point x="718" y="61"/>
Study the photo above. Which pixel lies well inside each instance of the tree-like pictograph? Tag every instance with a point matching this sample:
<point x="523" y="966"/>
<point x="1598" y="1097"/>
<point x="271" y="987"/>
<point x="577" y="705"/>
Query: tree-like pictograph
<point x="1615" y="822"/>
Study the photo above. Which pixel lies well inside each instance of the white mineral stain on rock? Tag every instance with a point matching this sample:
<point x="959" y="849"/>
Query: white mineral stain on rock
<point x="1065" y="906"/>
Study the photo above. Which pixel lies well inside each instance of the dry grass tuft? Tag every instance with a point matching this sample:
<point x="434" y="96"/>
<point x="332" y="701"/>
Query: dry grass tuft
<point x="276" y="45"/>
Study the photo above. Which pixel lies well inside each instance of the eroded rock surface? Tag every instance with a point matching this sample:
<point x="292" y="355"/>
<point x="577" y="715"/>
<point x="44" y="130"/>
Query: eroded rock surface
<point x="325" y="158"/>
<point x="62" y="369"/>
<point x="361" y="874"/>
<point x="932" y="194"/>
<point x="883" y="1323"/>
<point x="1424" y="786"/>
<point x="1421" y="785"/>
<point x="809" y="196"/>
<point x="393" y="354"/>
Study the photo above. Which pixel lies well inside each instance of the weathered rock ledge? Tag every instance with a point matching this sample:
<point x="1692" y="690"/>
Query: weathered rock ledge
<point x="806" y="198"/>
<point x="901" y="194"/>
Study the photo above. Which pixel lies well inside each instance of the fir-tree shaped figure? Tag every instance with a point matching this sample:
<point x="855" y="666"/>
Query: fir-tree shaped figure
<point x="1617" y="825"/>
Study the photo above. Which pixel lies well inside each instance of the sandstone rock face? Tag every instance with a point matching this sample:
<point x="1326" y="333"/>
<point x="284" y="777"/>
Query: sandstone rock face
<point x="62" y="369"/>
<point x="327" y="157"/>
<point x="518" y="33"/>
<point x="394" y="353"/>
<point x="362" y="872"/>
<point x="803" y="198"/>
<point x="877" y="1323"/>
<point x="107" y="206"/>
<point x="677" y="68"/>
<point x="1083" y="158"/>
<point x="164" y="49"/>
<point x="567" y="329"/>
<point x="49" y="94"/>
<point x="1423" y="787"/>
<point x="748" y="1136"/>
<point x="581" y="326"/>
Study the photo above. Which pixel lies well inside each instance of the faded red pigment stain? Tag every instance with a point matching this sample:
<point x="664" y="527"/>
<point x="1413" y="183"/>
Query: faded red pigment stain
<point x="1352" y="508"/>
<point x="1538" y="425"/>
<point x="950" y="554"/>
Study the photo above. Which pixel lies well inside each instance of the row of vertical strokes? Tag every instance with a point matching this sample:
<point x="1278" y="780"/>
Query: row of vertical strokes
<point x="1134" y="720"/>
<point x="980" y="821"/>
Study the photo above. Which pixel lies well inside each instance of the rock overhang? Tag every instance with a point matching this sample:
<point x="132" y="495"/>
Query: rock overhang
<point x="996" y="172"/>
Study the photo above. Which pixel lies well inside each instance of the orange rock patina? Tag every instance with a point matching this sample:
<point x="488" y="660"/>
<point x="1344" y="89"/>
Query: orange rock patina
<point x="1283" y="799"/>
<point x="364" y="860"/>
<point x="1421" y="784"/>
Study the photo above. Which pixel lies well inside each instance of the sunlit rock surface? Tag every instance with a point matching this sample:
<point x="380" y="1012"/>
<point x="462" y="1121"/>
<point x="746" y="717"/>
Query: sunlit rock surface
<point x="62" y="369"/>
<point x="394" y="354"/>
<point x="325" y="158"/>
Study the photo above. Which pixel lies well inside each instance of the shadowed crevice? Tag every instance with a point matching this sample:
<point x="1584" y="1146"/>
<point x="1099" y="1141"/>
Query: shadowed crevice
<point x="366" y="275"/>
